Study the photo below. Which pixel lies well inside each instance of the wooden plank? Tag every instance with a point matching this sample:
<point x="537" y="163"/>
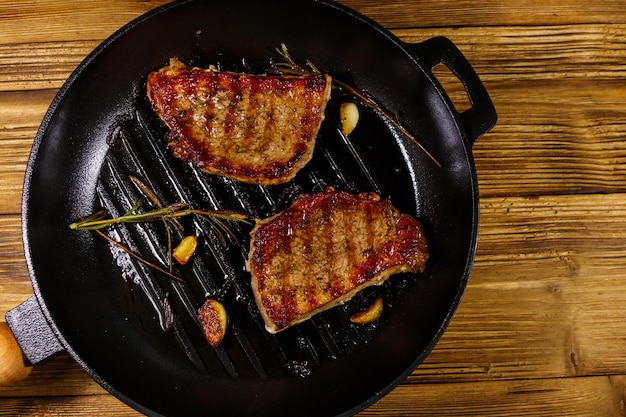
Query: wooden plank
<point x="47" y="20"/>
<point x="50" y="17"/>
<point x="70" y="406"/>
<point x="40" y="65"/>
<point x="560" y="397"/>
<point x="15" y="284"/>
<point x="464" y="13"/>
<point x="58" y="377"/>
<point x="550" y="262"/>
<point x="564" y="397"/>
<point x="568" y="139"/>
<point x="500" y="329"/>
<point x="20" y="116"/>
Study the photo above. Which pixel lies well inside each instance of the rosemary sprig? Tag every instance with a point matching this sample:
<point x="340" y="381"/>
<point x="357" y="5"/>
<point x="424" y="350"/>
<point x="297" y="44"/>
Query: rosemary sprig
<point x="291" y="67"/>
<point x="169" y="215"/>
<point x="99" y="220"/>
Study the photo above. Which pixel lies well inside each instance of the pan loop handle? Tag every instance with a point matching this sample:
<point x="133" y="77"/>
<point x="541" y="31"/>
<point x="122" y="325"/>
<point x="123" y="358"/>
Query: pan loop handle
<point x="481" y="116"/>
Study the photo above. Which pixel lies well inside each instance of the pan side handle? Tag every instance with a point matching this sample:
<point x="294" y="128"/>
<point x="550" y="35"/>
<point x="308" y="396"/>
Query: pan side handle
<point x="481" y="116"/>
<point x="32" y="332"/>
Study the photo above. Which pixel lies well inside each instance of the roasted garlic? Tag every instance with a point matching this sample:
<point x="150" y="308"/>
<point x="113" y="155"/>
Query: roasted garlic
<point x="185" y="250"/>
<point x="349" y="117"/>
<point x="214" y="321"/>
<point x="370" y="314"/>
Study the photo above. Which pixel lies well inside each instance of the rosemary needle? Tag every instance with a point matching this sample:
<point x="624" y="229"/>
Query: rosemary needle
<point x="97" y="221"/>
<point x="167" y="214"/>
<point x="173" y="211"/>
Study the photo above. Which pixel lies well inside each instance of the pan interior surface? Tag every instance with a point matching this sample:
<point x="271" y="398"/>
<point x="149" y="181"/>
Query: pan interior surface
<point x="134" y="329"/>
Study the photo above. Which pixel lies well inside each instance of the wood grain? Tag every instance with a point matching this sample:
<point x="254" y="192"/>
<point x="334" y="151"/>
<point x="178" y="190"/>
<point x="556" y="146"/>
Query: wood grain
<point x="453" y="14"/>
<point x="541" y="329"/>
<point x="546" y="290"/>
<point x="565" y="397"/>
<point x="561" y="397"/>
<point x="48" y="20"/>
<point x="50" y="17"/>
<point x="535" y="53"/>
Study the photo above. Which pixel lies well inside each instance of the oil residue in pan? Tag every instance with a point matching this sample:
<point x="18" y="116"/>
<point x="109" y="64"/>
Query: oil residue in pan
<point x="137" y="148"/>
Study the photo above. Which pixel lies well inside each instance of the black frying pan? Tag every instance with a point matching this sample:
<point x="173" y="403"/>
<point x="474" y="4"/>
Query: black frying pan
<point x="133" y="329"/>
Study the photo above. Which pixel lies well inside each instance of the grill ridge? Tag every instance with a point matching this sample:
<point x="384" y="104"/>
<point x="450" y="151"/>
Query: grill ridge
<point x="215" y="252"/>
<point x="137" y="148"/>
<point x="155" y="292"/>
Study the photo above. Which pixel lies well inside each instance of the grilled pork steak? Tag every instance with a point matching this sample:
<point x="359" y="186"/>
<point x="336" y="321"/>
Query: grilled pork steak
<point x="324" y="249"/>
<point x="258" y="129"/>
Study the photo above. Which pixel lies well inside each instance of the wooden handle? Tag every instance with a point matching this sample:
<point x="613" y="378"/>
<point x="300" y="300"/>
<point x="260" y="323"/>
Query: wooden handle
<point x="12" y="367"/>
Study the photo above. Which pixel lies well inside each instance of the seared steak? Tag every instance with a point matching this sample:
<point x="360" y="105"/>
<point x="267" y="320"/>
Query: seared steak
<point x="254" y="128"/>
<point x="324" y="249"/>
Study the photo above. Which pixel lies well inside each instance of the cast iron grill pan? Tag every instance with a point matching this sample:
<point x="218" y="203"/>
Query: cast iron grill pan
<point x="134" y="330"/>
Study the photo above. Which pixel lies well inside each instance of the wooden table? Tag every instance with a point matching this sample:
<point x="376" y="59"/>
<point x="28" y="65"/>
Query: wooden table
<point x="541" y="329"/>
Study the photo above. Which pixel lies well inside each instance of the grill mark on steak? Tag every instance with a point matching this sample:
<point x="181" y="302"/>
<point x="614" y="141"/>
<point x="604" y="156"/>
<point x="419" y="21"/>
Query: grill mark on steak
<point x="258" y="129"/>
<point x="325" y="248"/>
